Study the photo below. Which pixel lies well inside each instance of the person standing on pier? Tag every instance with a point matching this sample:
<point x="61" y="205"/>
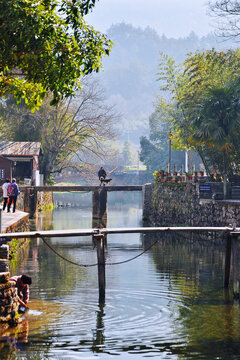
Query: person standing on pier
<point x="5" y="193"/>
<point x="101" y="175"/>
<point x="13" y="192"/>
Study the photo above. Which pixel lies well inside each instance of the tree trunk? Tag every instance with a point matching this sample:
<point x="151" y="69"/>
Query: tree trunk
<point x="203" y="160"/>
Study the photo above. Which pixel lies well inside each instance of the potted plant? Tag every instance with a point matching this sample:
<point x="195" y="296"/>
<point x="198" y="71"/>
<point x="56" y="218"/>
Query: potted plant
<point x="189" y="176"/>
<point x="156" y="175"/>
<point x="201" y="173"/>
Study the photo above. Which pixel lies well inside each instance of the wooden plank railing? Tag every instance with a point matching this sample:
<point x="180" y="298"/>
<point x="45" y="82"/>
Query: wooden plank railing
<point x="232" y="249"/>
<point x="68" y="188"/>
<point x="105" y="231"/>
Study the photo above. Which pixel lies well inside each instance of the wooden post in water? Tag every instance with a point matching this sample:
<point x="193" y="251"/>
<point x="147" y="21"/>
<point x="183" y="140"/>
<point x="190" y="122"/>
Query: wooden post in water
<point x="235" y="252"/>
<point x="99" y="208"/>
<point x="227" y="260"/>
<point x="33" y="203"/>
<point x="101" y="267"/>
<point x="26" y="201"/>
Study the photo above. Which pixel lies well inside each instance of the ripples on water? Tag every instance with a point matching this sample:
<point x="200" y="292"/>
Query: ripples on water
<point x="167" y="304"/>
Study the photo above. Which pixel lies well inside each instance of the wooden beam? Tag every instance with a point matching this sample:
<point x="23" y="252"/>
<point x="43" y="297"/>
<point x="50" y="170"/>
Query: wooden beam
<point x="227" y="260"/>
<point x="101" y="267"/>
<point x="89" y="232"/>
<point x="70" y="188"/>
<point x="235" y="256"/>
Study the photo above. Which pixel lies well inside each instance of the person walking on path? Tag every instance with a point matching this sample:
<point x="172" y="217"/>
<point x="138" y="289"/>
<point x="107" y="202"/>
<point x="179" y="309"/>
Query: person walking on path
<point x="5" y="193"/>
<point x="13" y="192"/>
<point x="22" y="283"/>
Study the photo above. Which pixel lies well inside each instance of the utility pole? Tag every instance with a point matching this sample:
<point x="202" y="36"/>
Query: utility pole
<point x="170" y="136"/>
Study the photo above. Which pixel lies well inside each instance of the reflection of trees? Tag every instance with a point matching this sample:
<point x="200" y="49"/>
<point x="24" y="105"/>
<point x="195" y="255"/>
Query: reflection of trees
<point x="207" y="317"/>
<point x="55" y="274"/>
<point x="189" y="259"/>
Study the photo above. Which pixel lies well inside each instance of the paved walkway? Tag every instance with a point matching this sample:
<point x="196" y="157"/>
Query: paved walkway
<point x="10" y="219"/>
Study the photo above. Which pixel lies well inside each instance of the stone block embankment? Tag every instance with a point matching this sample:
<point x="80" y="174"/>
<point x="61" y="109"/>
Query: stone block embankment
<point x="8" y="300"/>
<point x="8" y="293"/>
<point x="177" y="204"/>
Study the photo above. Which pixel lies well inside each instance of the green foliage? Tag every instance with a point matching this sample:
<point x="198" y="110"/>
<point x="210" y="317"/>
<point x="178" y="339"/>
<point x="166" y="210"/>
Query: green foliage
<point x="75" y="125"/>
<point x="50" y="180"/>
<point x="47" y="46"/>
<point x="155" y="149"/>
<point x="204" y="93"/>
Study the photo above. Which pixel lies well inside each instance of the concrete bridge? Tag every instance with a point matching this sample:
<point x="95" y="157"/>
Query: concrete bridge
<point x="99" y="198"/>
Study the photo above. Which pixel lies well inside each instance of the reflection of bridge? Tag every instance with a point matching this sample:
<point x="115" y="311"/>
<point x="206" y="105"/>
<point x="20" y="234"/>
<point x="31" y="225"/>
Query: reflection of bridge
<point x="99" y="198"/>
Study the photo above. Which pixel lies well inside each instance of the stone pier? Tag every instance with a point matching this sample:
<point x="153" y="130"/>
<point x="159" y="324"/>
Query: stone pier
<point x="11" y="222"/>
<point x="8" y="297"/>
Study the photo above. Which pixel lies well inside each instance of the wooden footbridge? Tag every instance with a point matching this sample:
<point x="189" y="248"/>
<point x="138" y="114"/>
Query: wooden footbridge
<point x="99" y="198"/>
<point x="232" y="234"/>
<point x="100" y="230"/>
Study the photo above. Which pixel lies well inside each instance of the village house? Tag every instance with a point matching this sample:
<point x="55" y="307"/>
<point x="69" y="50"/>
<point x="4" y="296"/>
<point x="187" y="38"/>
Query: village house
<point x="20" y="159"/>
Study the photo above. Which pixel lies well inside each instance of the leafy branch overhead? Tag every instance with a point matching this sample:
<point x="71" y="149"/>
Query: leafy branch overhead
<point x="47" y="46"/>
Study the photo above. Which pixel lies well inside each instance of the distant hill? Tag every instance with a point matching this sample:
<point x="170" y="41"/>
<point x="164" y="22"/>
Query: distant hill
<point x="129" y="75"/>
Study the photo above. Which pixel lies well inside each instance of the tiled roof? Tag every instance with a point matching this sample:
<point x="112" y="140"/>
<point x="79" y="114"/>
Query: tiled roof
<point x="23" y="148"/>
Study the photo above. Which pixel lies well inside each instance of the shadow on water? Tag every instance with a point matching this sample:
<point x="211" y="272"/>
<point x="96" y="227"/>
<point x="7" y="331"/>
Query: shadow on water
<point x="168" y="304"/>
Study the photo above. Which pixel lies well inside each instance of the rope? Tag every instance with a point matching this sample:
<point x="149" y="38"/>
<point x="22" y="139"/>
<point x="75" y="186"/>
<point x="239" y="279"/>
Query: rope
<point x="90" y="265"/>
<point x="135" y="257"/>
<point x="62" y="257"/>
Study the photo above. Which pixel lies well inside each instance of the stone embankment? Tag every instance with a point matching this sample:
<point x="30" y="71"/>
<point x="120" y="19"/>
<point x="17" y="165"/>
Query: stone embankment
<point x="177" y="204"/>
<point x="18" y="221"/>
<point x="8" y="300"/>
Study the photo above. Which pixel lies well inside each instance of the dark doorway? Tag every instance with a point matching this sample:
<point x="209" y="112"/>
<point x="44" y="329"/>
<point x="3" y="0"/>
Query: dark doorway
<point x="22" y="169"/>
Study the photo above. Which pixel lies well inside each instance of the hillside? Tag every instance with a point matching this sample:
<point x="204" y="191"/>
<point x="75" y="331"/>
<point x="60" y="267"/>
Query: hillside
<point x="129" y="75"/>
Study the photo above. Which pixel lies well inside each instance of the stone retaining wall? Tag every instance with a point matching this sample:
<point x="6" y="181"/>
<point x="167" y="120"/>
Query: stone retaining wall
<point x="45" y="199"/>
<point x="8" y="292"/>
<point x="31" y="201"/>
<point x="176" y="204"/>
<point x="8" y="300"/>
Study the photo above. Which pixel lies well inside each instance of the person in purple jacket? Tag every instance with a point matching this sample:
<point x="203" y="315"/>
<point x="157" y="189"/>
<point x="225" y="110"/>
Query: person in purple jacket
<point x="13" y="192"/>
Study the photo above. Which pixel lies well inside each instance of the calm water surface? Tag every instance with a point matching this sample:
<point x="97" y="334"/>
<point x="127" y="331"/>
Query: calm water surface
<point x="167" y="304"/>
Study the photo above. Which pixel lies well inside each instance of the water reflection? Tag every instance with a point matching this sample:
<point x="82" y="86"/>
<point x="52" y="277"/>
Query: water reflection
<point x="167" y="304"/>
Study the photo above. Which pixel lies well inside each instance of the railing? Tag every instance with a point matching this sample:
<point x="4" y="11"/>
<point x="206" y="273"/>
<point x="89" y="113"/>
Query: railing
<point x="99" y="236"/>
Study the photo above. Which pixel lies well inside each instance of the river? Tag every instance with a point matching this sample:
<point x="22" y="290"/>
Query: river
<point x="168" y="303"/>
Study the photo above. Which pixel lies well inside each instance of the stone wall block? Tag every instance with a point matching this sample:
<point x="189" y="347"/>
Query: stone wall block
<point x="4" y="277"/>
<point x="4" y="251"/>
<point x="7" y="293"/>
<point x="4" y="266"/>
<point x="179" y="204"/>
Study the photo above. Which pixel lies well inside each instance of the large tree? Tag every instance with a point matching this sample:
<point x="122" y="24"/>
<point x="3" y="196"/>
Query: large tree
<point x="71" y="133"/>
<point x="227" y="13"/>
<point x="155" y="148"/>
<point x="217" y="127"/>
<point x="188" y="91"/>
<point x="45" y="45"/>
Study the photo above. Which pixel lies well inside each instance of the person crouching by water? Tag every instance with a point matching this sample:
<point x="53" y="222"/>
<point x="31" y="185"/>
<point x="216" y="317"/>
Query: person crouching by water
<point x="5" y="193"/>
<point x="101" y="175"/>
<point x="22" y="283"/>
<point x="13" y="192"/>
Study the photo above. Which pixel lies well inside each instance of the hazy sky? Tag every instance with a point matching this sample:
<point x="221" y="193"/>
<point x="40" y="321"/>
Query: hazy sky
<point x="174" y="18"/>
